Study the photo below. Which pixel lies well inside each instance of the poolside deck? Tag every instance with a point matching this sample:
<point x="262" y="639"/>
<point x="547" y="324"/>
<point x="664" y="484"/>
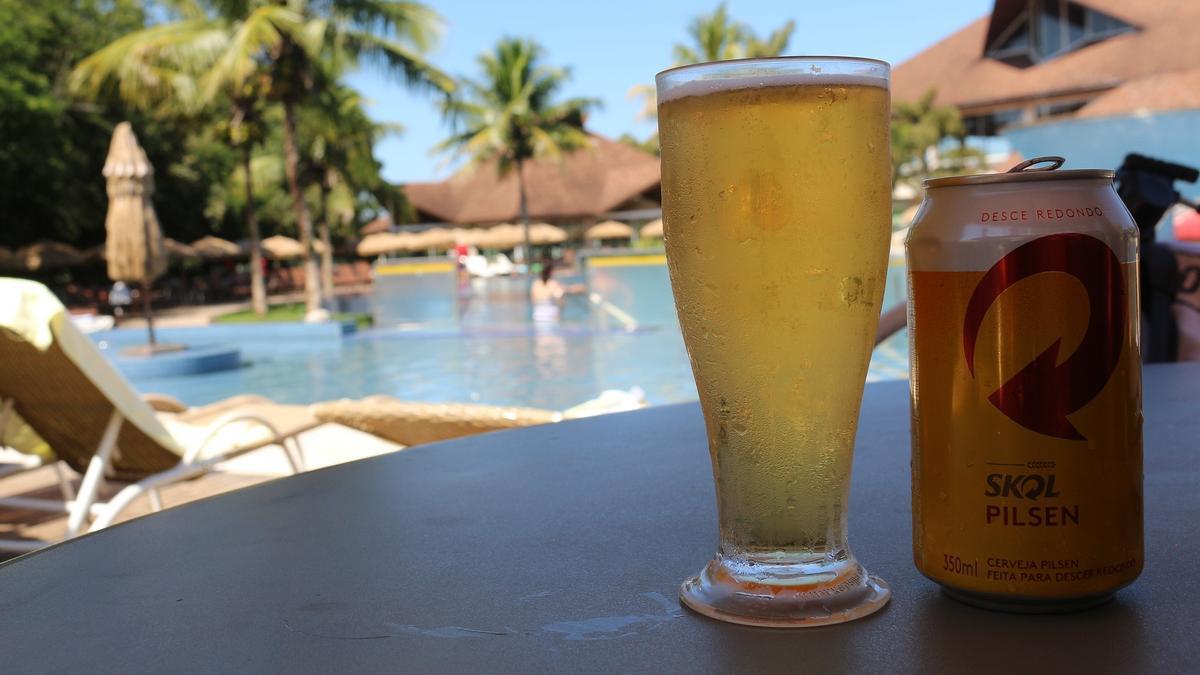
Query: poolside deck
<point x="324" y="446"/>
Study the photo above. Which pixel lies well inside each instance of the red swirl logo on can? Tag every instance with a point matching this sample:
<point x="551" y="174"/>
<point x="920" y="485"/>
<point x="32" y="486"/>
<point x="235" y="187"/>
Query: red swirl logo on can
<point x="1045" y="392"/>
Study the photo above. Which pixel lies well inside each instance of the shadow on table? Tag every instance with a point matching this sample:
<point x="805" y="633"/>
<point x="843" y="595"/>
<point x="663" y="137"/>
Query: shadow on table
<point x="937" y="634"/>
<point x="952" y="637"/>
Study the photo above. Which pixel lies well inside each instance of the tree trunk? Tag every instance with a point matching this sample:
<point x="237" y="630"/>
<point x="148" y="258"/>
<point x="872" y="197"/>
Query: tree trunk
<point x="327" y="241"/>
<point x="312" y="281"/>
<point x="524" y="206"/>
<point x="258" y="287"/>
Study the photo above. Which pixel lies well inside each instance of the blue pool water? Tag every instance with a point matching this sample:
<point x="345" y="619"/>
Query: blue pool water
<point x="475" y="342"/>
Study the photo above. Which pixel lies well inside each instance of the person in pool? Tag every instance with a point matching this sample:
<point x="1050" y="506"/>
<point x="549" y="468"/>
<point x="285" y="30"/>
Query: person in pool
<point x="547" y="294"/>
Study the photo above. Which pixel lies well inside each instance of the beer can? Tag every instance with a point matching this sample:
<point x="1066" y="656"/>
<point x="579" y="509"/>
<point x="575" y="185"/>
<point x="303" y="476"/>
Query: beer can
<point x="1026" y="388"/>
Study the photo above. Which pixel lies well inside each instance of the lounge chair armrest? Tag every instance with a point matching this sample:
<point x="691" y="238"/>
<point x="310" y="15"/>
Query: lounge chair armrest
<point x="223" y="421"/>
<point x="164" y="403"/>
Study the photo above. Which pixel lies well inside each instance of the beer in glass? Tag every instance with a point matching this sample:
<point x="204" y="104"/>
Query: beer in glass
<point x="776" y="186"/>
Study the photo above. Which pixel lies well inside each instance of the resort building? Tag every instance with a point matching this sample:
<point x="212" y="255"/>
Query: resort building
<point x="1091" y="80"/>
<point x="608" y="180"/>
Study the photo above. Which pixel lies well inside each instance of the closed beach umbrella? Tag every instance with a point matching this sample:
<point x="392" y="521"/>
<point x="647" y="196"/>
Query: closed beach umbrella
<point x="47" y="255"/>
<point x="134" y="244"/>
<point x="216" y="248"/>
<point x="609" y="229"/>
<point x="281" y="247"/>
<point x="652" y="230"/>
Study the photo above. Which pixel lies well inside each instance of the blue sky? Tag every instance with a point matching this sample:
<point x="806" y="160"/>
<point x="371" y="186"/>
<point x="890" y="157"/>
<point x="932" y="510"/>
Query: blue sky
<point x="611" y="45"/>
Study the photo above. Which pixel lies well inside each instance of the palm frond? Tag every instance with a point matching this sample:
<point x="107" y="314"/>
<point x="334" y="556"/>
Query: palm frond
<point x="408" y="22"/>
<point x="260" y="33"/>
<point x="266" y="173"/>
<point x="684" y="55"/>
<point x="186" y="9"/>
<point x="147" y="67"/>
<point x="510" y="115"/>
<point x="398" y="58"/>
<point x="775" y="44"/>
<point x="649" y="97"/>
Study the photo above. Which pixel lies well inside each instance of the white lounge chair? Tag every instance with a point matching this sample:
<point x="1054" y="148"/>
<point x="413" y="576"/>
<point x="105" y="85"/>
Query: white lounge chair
<point x="56" y="380"/>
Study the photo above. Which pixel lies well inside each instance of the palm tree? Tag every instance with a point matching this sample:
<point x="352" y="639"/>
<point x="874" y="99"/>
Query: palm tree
<point x="245" y="50"/>
<point x="338" y="158"/>
<point x="162" y="69"/>
<point x="775" y="44"/>
<point x="921" y="125"/>
<point x="257" y="182"/>
<point x="245" y="132"/>
<point x="511" y="116"/>
<point x="714" y="37"/>
<point x="300" y="43"/>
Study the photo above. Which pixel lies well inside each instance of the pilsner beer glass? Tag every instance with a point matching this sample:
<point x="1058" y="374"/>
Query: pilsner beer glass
<point x="776" y="186"/>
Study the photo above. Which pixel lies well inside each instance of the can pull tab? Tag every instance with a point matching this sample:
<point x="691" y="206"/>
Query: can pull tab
<point x="1053" y="160"/>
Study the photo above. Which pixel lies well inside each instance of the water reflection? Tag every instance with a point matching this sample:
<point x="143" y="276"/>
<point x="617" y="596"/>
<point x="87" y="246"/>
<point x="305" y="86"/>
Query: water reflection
<point x="439" y="338"/>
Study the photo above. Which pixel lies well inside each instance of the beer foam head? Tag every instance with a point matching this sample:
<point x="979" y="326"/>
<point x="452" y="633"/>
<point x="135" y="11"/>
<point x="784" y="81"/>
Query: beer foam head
<point x="709" y="78"/>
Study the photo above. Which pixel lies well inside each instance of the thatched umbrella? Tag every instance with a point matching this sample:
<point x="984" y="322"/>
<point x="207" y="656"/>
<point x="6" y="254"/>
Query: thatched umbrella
<point x="134" y="246"/>
<point x="174" y="249"/>
<point x="482" y="239"/>
<point x="609" y="229"/>
<point x="280" y="247"/>
<point x="216" y="248"/>
<point x="384" y="242"/>
<point x="438" y="238"/>
<point x="93" y="254"/>
<point x="178" y="249"/>
<point x="467" y="236"/>
<point x="503" y="236"/>
<point x="45" y="255"/>
<point x="545" y="233"/>
<point x="381" y="224"/>
<point x="652" y="230"/>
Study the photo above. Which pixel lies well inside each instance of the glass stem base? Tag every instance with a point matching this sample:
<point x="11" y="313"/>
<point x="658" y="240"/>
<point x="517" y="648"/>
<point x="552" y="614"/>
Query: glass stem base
<point x="782" y="595"/>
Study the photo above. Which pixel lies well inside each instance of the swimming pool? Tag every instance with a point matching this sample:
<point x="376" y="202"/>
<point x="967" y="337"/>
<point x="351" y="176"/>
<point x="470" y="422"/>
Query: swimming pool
<point x="475" y="342"/>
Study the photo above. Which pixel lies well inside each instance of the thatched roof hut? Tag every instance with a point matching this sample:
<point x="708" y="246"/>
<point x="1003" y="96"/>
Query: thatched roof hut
<point x="605" y="177"/>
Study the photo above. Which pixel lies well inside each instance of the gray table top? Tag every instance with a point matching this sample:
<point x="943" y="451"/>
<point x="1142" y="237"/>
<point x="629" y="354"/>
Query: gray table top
<point x="560" y="548"/>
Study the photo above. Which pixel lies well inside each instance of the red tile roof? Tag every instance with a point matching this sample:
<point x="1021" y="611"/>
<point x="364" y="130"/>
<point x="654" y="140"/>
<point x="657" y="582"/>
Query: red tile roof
<point x="586" y="183"/>
<point x="1166" y="39"/>
<point x="1167" y="91"/>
